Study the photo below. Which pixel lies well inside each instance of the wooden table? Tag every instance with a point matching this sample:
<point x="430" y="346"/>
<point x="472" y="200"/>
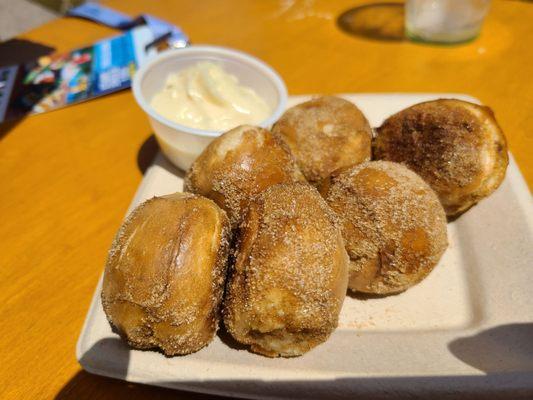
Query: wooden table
<point x="67" y="177"/>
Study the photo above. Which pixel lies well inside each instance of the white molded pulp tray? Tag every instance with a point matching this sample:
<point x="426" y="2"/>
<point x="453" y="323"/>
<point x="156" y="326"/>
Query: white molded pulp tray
<point x="467" y="328"/>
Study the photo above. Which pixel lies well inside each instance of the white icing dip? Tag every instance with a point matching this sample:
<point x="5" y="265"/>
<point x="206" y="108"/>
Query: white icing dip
<point x="204" y="96"/>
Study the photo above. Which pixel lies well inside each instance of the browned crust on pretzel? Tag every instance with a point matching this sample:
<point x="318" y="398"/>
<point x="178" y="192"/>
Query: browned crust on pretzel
<point x="325" y="134"/>
<point x="393" y="225"/>
<point x="456" y="146"/>
<point x="165" y="274"/>
<point x="238" y="165"/>
<point x="286" y="289"/>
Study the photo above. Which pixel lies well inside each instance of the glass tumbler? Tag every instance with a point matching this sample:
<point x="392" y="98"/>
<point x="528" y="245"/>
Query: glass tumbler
<point x="444" y="21"/>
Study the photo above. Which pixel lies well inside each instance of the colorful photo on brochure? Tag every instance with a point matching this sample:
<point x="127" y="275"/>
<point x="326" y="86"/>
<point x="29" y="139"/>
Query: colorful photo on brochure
<point x="58" y="80"/>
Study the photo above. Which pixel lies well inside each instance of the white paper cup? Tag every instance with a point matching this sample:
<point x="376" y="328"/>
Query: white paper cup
<point x="182" y="144"/>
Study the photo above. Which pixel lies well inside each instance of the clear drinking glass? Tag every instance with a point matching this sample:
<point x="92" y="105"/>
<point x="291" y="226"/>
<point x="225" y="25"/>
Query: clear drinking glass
<point x="444" y="21"/>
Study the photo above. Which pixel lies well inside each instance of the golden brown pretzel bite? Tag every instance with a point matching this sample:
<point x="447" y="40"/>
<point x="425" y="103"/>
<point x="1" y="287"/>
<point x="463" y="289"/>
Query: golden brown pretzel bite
<point x="287" y="286"/>
<point x="456" y="146"/>
<point x="165" y="274"/>
<point x="325" y="134"/>
<point x="239" y="164"/>
<point x="393" y="225"/>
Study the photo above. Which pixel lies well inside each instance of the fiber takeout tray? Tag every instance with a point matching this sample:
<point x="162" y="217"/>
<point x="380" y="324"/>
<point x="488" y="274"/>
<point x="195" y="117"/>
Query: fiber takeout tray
<point x="467" y="328"/>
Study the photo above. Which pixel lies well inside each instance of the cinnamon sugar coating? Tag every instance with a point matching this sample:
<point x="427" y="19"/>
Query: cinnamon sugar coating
<point x="456" y="146"/>
<point x="393" y="224"/>
<point x="165" y="274"/>
<point x="238" y="165"/>
<point x="286" y="288"/>
<point x="325" y="134"/>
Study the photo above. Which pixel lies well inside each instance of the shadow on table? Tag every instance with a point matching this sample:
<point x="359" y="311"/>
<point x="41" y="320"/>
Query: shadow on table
<point x="18" y="51"/>
<point x="14" y="52"/>
<point x="7" y="126"/>
<point x="147" y="153"/>
<point x="423" y="388"/>
<point x="85" y="386"/>
<point x="379" y="21"/>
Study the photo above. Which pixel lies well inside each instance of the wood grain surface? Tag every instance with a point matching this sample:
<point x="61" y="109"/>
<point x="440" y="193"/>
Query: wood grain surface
<point x="67" y="177"/>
